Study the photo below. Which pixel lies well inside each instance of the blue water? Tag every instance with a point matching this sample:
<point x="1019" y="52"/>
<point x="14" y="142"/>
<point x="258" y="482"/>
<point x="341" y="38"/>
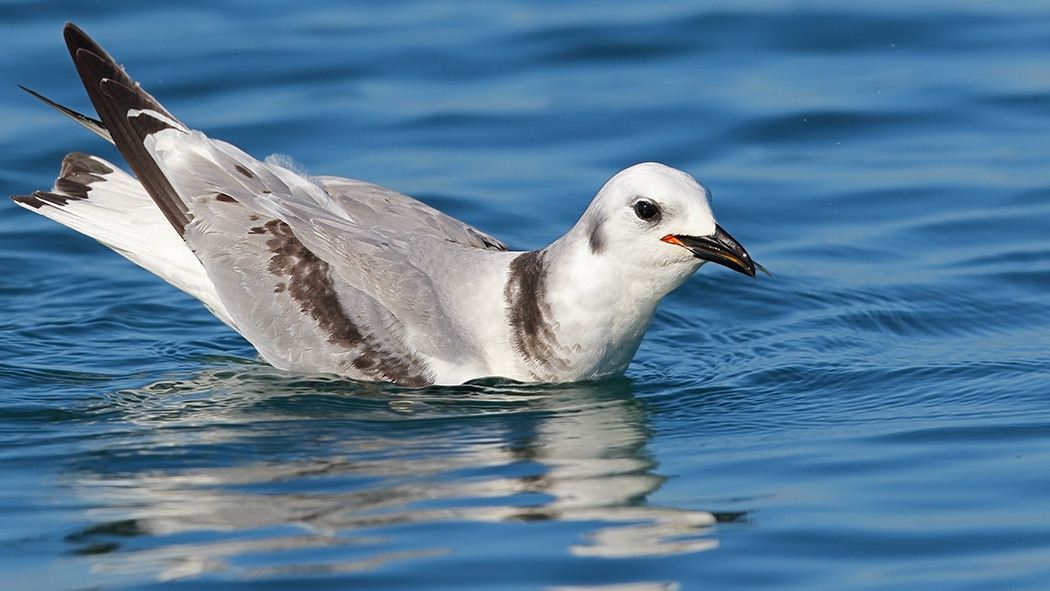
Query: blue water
<point x="876" y="416"/>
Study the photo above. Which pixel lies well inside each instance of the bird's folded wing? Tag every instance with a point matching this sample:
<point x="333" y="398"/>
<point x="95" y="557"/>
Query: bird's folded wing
<point x="372" y="205"/>
<point x="309" y="284"/>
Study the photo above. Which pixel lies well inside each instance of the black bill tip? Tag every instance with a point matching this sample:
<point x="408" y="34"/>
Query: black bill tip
<point x="719" y="248"/>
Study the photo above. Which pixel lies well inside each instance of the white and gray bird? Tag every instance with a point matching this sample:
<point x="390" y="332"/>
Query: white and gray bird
<point x="324" y="274"/>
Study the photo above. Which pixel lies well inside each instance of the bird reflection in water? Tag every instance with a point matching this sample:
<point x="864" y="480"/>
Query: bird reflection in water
<point x="255" y="475"/>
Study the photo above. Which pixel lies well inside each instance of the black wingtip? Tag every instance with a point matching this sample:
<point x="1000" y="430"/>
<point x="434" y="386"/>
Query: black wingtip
<point x="91" y="123"/>
<point x="114" y="93"/>
<point x="78" y="39"/>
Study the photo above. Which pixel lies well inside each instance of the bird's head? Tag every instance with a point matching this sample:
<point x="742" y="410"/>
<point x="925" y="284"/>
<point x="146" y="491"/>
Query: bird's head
<point x="655" y="222"/>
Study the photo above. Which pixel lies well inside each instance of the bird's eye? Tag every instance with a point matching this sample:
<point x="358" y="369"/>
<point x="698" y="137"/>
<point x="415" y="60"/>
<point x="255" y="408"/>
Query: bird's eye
<point x="646" y="210"/>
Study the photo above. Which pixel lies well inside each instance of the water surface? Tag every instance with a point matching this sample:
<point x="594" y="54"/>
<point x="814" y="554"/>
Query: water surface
<point x="873" y="417"/>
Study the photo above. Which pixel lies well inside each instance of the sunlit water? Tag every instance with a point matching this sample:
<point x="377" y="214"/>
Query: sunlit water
<point x="873" y="417"/>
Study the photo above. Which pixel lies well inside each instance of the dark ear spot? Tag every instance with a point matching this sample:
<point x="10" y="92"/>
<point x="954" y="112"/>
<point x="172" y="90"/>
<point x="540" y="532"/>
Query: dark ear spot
<point x="595" y="239"/>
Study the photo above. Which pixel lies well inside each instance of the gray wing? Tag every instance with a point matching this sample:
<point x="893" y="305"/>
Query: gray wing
<point x="359" y="294"/>
<point x="319" y="276"/>
<point x="372" y="205"/>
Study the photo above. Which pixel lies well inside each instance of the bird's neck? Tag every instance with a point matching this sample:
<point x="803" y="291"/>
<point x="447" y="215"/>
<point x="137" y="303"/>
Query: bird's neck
<point x="573" y="315"/>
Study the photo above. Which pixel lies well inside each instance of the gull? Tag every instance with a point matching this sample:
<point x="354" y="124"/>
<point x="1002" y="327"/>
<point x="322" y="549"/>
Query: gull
<point x="324" y="274"/>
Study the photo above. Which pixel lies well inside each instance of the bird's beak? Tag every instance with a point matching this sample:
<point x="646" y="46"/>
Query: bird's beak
<point x="719" y="248"/>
